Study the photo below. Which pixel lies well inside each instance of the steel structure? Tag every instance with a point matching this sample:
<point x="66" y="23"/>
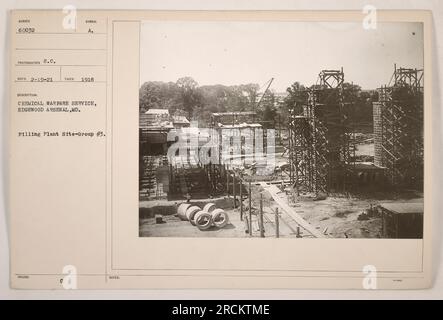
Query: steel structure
<point x="398" y="127"/>
<point x="321" y="137"/>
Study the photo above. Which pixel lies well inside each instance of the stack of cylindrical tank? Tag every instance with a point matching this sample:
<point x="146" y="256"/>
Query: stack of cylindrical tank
<point x="203" y="218"/>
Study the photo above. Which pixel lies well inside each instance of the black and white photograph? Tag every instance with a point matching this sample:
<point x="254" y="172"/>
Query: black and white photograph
<point x="257" y="150"/>
<point x="281" y="129"/>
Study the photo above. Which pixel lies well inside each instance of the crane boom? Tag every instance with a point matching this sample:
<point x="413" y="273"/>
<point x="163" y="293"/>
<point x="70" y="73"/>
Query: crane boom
<point x="264" y="92"/>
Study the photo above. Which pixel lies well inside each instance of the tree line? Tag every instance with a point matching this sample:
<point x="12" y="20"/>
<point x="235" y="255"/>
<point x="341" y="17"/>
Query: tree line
<point x="187" y="97"/>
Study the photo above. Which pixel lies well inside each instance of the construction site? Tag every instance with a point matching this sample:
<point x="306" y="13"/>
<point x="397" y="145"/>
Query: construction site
<point x="320" y="176"/>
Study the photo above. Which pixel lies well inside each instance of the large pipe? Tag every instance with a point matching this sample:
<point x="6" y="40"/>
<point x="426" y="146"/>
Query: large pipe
<point x="219" y="218"/>
<point x="181" y="211"/>
<point x="209" y="207"/>
<point x="203" y="220"/>
<point x="190" y="213"/>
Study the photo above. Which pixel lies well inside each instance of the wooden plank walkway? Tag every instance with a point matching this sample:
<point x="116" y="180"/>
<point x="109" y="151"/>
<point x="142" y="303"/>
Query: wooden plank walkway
<point x="273" y="191"/>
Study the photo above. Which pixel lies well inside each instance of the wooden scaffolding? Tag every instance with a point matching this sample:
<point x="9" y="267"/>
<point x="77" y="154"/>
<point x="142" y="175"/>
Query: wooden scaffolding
<point x="399" y="135"/>
<point x="321" y="138"/>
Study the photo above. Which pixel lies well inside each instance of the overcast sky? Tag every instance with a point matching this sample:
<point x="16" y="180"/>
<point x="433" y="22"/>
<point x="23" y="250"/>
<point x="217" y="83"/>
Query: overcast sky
<point x="252" y="52"/>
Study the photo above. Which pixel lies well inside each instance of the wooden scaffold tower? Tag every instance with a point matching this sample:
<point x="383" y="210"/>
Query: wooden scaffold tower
<point x="398" y="119"/>
<point x="321" y="139"/>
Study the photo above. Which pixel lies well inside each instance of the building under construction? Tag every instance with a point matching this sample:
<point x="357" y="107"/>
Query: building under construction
<point x="322" y="144"/>
<point x="398" y="128"/>
<point x="233" y="137"/>
<point x="320" y="135"/>
<point x="223" y="171"/>
<point x="238" y="135"/>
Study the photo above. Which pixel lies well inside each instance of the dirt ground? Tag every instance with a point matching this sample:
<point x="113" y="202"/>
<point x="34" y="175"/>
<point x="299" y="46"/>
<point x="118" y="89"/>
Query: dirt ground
<point x="338" y="217"/>
<point x="335" y="217"/>
<point x="173" y="226"/>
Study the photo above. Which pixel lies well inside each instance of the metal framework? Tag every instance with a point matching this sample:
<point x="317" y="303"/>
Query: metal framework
<point x="399" y="145"/>
<point x="232" y="118"/>
<point x="321" y="137"/>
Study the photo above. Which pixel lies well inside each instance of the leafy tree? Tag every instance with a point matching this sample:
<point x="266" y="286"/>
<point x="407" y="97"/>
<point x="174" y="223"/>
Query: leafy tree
<point x="199" y="102"/>
<point x="297" y="97"/>
<point x="250" y="93"/>
<point x="362" y="102"/>
<point x="159" y="95"/>
<point x="191" y="97"/>
<point x="267" y="109"/>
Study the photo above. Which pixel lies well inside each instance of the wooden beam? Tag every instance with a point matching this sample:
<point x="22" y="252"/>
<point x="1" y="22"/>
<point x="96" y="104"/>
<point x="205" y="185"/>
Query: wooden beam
<point x="273" y="190"/>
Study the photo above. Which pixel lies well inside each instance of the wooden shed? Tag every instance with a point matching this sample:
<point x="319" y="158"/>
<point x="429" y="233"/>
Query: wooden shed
<point x="402" y="220"/>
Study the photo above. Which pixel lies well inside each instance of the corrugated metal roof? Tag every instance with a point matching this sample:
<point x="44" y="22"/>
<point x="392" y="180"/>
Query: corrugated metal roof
<point x="158" y="111"/>
<point x="239" y="113"/>
<point x="239" y="126"/>
<point x="403" y="207"/>
<point x="180" y="119"/>
<point x="150" y="121"/>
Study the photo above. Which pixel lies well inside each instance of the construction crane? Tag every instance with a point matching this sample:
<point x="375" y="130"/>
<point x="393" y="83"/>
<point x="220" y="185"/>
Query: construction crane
<point x="264" y="93"/>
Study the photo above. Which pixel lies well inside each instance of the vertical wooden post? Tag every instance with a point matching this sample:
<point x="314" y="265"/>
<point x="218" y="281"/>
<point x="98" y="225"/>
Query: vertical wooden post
<point x="290" y="149"/>
<point x="262" y="228"/>
<point x="247" y="226"/>
<point x="157" y="191"/>
<point x="383" y="233"/>
<point x="233" y="189"/>
<point x="298" y="232"/>
<point x="253" y="144"/>
<point x="227" y="182"/>
<point x="250" y="210"/>
<point x="277" y="226"/>
<point x="241" y="199"/>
